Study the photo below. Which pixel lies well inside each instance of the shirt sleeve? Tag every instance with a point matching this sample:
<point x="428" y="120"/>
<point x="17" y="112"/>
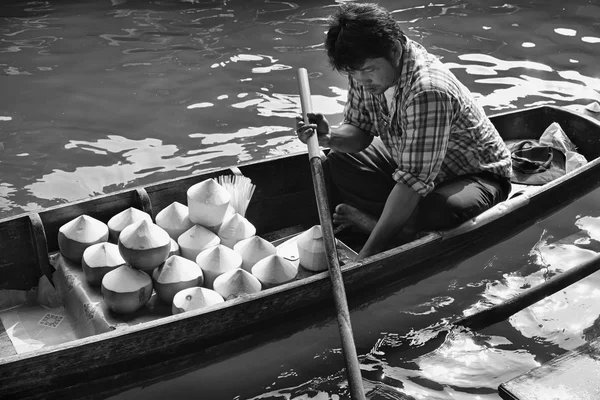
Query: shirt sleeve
<point x="355" y="110"/>
<point x="426" y="127"/>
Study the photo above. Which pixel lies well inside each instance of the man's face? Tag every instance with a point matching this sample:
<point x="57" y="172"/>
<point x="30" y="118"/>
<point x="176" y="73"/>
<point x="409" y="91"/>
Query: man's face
<point x="376" y="75"/>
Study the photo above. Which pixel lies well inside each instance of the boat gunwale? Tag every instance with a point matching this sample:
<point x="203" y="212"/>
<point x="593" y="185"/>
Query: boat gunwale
<point x="154" y="185"/>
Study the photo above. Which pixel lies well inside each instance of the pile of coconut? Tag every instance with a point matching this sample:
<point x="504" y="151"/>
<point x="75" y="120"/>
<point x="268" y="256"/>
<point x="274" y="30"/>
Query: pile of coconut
<point x="192" y="256"/>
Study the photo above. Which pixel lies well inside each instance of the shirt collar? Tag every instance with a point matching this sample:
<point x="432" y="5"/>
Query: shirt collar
<point x="407" y="62"/>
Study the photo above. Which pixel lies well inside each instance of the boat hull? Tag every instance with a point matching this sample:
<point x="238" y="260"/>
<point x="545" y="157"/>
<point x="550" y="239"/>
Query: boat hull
<point x="283" y="204"/>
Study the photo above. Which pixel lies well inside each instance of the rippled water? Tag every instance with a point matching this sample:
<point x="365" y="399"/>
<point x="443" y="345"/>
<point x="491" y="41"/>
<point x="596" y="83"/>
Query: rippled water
<point x="99" y="96"/>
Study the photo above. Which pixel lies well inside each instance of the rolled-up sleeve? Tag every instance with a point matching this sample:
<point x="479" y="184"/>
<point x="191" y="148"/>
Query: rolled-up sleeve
<point x="355" y="110"/>
<point x="426" y="129"/>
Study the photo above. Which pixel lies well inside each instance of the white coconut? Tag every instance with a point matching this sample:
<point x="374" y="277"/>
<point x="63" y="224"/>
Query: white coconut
<point x="98" y="260"/>
<point x="234" y="229"/>
<point x="311" y="249"/>
<point x="80" y="233"/>
<point x="252" y="250"/>
<point x="177" y="273"/>
<point x="236" y="283"/>
<point x="207" y="202"/>
<point x="593" y="107"/>
<point x="174" y="250"/>
<point x="230" y="211"/>
<point x="126" y="290"/>
<point x="194" y="298"/>
<point x="126" y="217"/>
<point x="174" y="219"/>
<point x="217" y="260"/>
<point x="195" y="240"/>
<point x="274" y="270"/>
<point x="144" y="245"/>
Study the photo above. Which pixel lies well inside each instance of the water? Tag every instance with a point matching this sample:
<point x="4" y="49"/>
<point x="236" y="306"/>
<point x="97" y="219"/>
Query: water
<point x="104" y="95"/>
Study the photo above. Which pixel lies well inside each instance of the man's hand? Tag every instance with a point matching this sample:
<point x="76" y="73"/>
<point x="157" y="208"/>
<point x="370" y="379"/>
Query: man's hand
<point x="318" y="123"/>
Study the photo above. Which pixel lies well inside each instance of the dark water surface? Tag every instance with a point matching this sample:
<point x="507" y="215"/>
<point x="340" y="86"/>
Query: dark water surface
<point x="98" y="96"/>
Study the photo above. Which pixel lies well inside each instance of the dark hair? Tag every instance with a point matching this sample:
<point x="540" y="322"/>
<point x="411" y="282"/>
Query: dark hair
<point x="359" y="31"/>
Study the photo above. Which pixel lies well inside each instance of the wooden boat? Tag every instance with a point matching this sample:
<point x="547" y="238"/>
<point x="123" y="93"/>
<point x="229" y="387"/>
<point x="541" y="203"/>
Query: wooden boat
<point x="283" y="205"/>
<point x="570" y="376"/>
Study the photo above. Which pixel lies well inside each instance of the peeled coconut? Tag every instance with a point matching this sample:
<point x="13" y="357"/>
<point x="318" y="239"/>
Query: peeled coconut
<point x="194" y="298"/>
<point x="144" y="245"/>
<point x="177" y="273"/>
<point x="126" y="217"/>
<point x="311" y="249"/>
<point x="216" y="261"/>
<point x="80" y="233"/>
<point x="230" y="211"/>
<point x="126" y="289"/>
<point x="174" y="250"/>
<point x="252" y="250"/>
<point x="174" y="219"/>
<point x="207" y="202"/>
<point x="98" y="260"/>
<point x="274" y="270"/>
<point x="234" y="229"/>
<point x="235" y="283"/>
<point x="195" y="240"/>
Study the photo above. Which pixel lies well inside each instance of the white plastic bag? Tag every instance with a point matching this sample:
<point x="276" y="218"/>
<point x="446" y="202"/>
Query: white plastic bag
<point x="574" y="161"/>
<point x="47" y="295"/>
<point x="555" y="137"/>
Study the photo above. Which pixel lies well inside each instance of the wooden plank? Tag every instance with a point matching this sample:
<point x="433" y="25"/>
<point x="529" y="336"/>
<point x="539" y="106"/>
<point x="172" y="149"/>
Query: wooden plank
<point x="574" y="375"/>
<point x="18" y="267"/>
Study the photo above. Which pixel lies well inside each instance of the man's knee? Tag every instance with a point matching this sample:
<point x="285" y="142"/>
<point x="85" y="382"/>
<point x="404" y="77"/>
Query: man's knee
<point x="439" y="211"/>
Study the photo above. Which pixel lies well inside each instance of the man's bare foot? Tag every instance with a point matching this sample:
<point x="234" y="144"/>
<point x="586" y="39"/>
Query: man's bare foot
<point x="346" y="215"/>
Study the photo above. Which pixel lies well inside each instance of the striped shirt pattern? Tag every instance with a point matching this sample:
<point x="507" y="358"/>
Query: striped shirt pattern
<point x="435" y="130"/>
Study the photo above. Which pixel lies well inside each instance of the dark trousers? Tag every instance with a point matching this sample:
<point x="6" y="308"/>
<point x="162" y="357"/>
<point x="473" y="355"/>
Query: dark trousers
<point x="364" y="180"/>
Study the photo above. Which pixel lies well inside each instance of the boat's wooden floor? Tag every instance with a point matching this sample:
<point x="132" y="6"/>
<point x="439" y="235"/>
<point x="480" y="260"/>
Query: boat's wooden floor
<point x="574" y="375"/>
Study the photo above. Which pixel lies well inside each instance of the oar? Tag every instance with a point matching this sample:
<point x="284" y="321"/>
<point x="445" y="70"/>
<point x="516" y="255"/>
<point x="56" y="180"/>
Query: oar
<point x="507" y="308"/>
<point x="335" y="273"/>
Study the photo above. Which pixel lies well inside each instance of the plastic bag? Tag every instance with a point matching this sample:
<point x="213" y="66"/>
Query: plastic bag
<point x="574" y="161"/>
<point x="47" y="295"/>
<point x="555" y="137"/>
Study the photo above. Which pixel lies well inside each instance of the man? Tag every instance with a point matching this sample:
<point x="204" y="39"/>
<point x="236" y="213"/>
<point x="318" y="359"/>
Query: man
<point x="415" y="152"/>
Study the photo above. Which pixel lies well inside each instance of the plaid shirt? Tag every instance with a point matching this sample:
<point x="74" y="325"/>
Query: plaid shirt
<point x="436" y="131"/>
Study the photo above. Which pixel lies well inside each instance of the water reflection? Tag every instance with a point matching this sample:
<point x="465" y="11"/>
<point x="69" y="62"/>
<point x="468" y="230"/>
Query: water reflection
<point x="155" y="54"/>
<point x="136" y="159"/>
<point x="561" y="318"/>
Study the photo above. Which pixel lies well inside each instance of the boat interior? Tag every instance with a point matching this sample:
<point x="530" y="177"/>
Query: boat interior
<point x="46" y="301"/>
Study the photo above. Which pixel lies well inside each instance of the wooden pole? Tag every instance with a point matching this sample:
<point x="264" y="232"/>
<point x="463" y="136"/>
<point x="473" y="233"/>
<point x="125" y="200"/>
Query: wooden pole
<point x="507" y="308"/>
<point x="335" y="273"/>
<point x="500" y="312"/>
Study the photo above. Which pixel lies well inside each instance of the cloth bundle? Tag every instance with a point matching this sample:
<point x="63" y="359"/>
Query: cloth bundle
<point x="536" y="162"/>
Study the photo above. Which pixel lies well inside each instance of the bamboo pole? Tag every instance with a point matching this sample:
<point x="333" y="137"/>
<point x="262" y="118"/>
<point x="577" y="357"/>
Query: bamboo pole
<point x="335" y="273"/>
